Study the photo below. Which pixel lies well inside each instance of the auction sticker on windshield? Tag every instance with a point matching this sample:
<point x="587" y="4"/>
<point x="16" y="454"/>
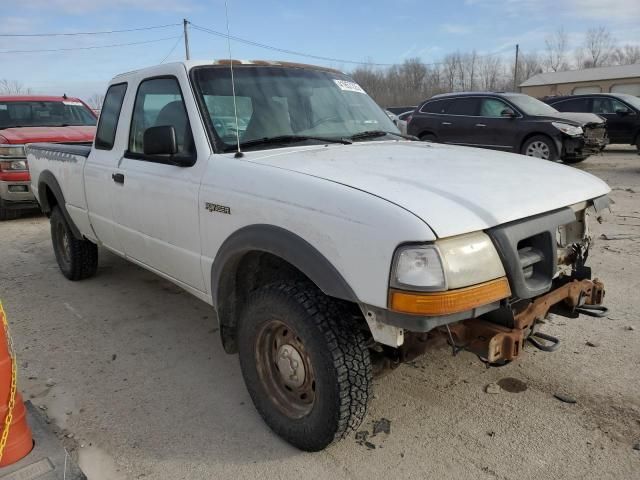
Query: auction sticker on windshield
<point x="348" y="86"/>
<point x="67" y="102"/>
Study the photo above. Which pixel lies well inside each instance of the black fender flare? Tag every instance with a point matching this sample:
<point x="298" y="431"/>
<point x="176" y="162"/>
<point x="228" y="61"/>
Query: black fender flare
<point x="281" y="243"/>
<point x="47" y="180"/>
<point x="286" y="245"/>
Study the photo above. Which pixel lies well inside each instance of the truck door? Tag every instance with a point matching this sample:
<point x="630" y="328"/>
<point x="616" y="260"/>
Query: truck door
<point x="102" y="161"/>
<point x="156" y="209"/>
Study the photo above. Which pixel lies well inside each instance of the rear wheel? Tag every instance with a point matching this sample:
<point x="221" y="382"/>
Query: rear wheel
<point x="428" y="137"/>
<point x="305" y="364"/>
<point x="77" y="259"/>
<point x="572" y="161"/>
<point x="540" y="146"/>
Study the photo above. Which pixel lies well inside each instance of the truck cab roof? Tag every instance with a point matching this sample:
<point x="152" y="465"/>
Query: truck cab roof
<point x="189" y="64"/>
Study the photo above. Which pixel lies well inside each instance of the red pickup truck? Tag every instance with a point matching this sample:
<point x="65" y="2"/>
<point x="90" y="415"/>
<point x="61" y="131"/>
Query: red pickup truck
<point x="30" y="119"/>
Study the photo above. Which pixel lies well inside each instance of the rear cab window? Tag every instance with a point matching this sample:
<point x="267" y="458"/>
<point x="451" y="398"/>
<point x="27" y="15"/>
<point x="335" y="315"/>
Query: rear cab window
<point x="109" y="116"/>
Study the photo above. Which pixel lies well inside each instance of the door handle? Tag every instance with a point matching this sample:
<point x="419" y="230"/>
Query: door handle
<point x="480" y="125"/>
<point x="118" y="177"/>
<point x="446" y="123"/>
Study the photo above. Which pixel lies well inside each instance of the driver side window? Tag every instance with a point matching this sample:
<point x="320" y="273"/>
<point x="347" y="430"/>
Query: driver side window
<point x="159" y="102"/>
<point x="492" y="107"/>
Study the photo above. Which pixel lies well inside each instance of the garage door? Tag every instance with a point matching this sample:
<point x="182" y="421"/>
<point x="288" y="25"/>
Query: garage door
<point x="630" y="88"/>
<point x="586" y="90"/>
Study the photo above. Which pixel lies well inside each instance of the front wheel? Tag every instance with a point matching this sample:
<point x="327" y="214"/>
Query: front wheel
<point x="428" y="137"/>
<point x="306" y="365"/>
<point x="77" y="259"/>
<point x="540" y="146"/>
<point x="7" y="213"/>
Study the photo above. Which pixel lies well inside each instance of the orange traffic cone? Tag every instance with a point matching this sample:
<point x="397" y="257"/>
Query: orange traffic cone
<point x="15" y="435"/>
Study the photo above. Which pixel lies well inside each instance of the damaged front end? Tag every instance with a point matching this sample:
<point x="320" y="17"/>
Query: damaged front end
<point x="545" y="262"/>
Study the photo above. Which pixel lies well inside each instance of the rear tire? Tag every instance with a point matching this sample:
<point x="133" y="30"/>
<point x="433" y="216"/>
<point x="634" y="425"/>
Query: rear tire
<point x="306" y="365"/>
<point x="540" y="146"/>
<point x="428" y="137"/>
<point x="77" y="259"/>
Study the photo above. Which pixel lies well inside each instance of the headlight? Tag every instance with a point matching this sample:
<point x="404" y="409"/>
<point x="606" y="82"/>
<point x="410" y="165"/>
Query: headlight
<point x="447" y="264"/>
<point x="453" y="275"/>
<point x="13" y="165"/>
<point x="11" y="151"/>
<point x="418" y="267"/>
<point x="568" y="129"/>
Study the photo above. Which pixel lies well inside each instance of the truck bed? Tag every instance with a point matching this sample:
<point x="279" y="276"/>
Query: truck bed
<point x="65" y="162"/>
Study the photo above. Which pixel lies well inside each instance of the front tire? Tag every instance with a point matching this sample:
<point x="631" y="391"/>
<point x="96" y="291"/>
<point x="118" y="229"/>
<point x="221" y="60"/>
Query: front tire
<point x="540" y="146"/>
<point x="305" y="363"/>
<point x="77" y="259"/>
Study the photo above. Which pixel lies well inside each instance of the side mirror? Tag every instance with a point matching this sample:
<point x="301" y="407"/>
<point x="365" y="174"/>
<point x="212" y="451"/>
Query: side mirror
<point x="623" y="112"/>
<point x="507" y="113"/>
<point x="160" y="140"/>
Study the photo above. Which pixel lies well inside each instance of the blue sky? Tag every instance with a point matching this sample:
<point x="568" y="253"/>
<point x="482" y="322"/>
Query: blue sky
<point x="372" y="30"/>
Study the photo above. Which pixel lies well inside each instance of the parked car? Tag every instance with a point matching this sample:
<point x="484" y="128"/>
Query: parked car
<point x="511" y="122"/>
<point x="401" y="110"/>
<point x="402" y="121"/>
<point x="621" y="111"/>
<point x="327" y="242"/>
<point x="26" y="119"/>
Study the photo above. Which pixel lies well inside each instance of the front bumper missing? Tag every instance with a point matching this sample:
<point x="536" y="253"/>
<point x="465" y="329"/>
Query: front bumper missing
<point x="498" y="344"/>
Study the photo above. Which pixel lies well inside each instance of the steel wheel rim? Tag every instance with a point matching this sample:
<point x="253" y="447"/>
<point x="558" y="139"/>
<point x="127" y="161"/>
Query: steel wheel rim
<point x="538" y="149"/>
<point x="285" y="369"/>
<point x="64" y="245"/>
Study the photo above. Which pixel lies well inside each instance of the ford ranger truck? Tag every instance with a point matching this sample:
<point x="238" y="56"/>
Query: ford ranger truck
<point x="26" y="119"/>
<point x="328" y="243"/>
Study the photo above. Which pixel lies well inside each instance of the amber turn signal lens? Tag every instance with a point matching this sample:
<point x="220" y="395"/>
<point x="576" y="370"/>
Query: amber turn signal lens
<point x="452" y="301"/>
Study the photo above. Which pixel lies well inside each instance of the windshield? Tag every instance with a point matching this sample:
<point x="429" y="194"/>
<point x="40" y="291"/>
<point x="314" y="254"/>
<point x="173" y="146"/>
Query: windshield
<point x="531" y="106"/>
<point x="630" y="99"/>
<point x="284" y="102"/>
<point x="30" y="113"/>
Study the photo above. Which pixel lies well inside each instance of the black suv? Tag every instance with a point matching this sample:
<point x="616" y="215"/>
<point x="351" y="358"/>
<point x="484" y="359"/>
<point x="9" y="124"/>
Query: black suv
<point x="510" y="122"/>
<point x="621" y="111"/>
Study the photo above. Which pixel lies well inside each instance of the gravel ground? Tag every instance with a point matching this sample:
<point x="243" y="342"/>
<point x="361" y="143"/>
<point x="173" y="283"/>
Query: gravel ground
<point x="132" y="374"/>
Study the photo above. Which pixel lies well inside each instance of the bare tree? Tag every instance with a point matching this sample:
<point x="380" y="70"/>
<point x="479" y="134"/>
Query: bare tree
<point x="626" y="55"/>
<point x="490" y="70"/>
<point x="13" y="87"/>
<point x="95" y="101"/>
<point x="556" y="45"/>
<point x="598" y="48"/>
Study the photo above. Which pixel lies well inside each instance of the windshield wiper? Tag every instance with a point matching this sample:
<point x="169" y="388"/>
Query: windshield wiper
<point x="284" y="139"/>
<point x="378" y="133"/>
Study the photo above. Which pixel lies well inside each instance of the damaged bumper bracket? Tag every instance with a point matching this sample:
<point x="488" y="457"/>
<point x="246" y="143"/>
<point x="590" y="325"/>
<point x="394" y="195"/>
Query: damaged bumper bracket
<point x="498" y="343"/>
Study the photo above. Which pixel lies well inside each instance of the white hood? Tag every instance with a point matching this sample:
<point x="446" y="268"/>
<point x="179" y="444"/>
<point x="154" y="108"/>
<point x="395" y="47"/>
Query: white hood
<point x="453" y="189"/>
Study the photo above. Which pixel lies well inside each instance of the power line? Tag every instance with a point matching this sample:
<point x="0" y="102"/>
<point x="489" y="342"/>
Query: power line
<point x="172" y="49"/>
<point x="317" y="57"/>
<point x="103" y="32"/>
<point x="92" y="47"/>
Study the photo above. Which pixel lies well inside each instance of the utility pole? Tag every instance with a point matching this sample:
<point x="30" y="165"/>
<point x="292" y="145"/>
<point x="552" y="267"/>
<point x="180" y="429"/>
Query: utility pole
<point x="185" y="23"/>
<point x="515" y="70"/>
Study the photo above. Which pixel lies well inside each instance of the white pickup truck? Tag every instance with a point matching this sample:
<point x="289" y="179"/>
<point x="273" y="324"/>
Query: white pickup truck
<point x="328" y="243"/>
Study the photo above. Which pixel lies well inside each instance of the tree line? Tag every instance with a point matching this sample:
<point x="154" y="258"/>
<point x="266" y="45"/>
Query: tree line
<point x="412" y="81"/>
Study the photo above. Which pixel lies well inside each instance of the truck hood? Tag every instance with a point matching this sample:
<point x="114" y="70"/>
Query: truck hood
<point x="21" y="135"/>
<point x="454" y="190"/>
<point x="577" y="119"/>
